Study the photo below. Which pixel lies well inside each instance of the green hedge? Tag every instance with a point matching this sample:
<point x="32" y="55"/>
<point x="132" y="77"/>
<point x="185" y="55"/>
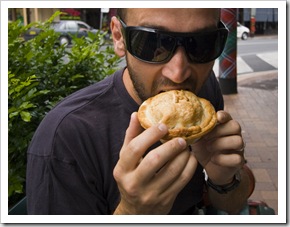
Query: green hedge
<point x="41" y="73"/>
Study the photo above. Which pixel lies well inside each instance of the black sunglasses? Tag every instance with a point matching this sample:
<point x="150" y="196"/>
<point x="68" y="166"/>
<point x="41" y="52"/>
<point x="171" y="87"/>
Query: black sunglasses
<point x="157" y="46"/>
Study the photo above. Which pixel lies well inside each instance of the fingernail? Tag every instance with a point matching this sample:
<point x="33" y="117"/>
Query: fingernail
<point x="133" y="115"/>
<point x="182" y="142"/>
<point x="162" y="127"/>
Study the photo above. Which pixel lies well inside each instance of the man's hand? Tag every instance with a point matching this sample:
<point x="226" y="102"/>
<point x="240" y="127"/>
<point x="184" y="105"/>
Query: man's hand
<point x="150" y="184"/>
<point x="221" y="152"/>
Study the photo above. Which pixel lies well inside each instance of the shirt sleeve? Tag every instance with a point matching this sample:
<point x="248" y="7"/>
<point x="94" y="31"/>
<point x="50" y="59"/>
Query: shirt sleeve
<point x="66" y="179"/>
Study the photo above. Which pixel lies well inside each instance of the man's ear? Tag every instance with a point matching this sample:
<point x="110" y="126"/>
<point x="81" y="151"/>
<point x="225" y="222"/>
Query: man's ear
<point x="118" y="39"/>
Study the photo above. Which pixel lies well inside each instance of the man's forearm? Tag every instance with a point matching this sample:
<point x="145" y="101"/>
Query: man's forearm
<point x="233" y="201"/>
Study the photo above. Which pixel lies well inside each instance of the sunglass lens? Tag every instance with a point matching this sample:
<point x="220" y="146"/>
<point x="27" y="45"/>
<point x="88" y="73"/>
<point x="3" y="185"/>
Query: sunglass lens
<point x="150" y="46"/>
<point x="205" y="47"/>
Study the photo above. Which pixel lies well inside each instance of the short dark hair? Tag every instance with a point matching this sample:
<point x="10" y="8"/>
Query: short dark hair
<point x="121" y="12"/>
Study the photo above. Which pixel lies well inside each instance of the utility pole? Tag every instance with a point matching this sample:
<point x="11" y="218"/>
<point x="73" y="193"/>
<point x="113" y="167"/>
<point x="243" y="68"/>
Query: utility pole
<point x="228" y="59"/>
<point x="253" y="22"/>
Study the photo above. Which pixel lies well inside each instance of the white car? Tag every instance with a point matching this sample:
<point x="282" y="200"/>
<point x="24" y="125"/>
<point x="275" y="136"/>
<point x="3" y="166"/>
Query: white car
<point x="242" y="31"/>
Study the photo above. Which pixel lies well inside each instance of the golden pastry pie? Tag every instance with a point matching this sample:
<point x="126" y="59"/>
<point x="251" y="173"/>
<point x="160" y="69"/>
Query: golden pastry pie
<point x="185" y="114"/>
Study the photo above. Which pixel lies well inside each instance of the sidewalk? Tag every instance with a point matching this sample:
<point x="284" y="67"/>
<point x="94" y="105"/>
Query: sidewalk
<point x="255" y="107"/>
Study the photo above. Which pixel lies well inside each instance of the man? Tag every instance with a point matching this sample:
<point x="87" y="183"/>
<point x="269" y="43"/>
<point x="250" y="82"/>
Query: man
<point x="91" y="156"/>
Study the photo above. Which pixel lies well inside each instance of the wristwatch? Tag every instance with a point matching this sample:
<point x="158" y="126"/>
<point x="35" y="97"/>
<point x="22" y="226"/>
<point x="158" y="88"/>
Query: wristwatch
<point x="223" y="189"/>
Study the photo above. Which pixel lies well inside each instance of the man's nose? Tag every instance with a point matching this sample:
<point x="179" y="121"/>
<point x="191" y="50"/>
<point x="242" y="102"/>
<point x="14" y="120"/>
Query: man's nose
<point x="177" y="69"/>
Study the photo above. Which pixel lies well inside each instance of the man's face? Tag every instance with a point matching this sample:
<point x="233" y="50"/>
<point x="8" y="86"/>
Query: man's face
<point x="179" y="72"/>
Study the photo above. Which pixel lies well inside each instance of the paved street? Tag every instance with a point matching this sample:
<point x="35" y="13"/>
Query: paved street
<point x="254" y="63"/>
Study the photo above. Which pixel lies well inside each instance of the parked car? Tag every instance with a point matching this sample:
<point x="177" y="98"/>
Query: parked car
<point x="242" y="31"/>
<point x="66" y="29"/>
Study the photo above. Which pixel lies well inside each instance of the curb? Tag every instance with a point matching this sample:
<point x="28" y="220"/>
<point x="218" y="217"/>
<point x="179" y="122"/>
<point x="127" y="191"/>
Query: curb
<point x="257" y="76"/>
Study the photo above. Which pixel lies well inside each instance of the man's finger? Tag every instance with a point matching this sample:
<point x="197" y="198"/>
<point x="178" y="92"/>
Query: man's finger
<point x="159" y="157"/>
<point x="133" y="130"/>
<point x="229" y="128"/>
<point x="223" y="117"/>
<point x="136" y="145"/>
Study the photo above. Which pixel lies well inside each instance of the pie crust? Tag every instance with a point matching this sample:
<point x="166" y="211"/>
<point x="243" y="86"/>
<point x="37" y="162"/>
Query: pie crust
<point x="185" y="114"/>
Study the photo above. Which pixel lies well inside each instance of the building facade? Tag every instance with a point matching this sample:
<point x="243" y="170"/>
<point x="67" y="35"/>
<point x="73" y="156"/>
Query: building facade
<point x="264" y="20"/>
<point x="96" y="17"/>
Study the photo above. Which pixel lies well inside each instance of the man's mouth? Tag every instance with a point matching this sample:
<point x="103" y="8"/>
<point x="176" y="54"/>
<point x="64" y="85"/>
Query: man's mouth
<point x="175" y="88"/>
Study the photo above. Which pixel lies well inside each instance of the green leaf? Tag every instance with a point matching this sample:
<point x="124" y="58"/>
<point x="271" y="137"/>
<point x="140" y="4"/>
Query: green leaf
<point x="26" y="116"/>
<point x="26" y="105"/>
<point x="13" y="114"/>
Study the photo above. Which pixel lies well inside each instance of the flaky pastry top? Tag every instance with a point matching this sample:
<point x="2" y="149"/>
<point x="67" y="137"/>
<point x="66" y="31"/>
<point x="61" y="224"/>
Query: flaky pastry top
<point x="185" y="114"/>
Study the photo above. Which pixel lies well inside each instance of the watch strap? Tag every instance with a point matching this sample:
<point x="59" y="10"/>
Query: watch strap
<point x="223" y="189"/>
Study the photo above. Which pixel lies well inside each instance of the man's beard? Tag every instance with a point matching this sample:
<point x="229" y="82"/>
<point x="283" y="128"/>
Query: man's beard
<point x="158" y="84"/>
<point x="137" y="84"/>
